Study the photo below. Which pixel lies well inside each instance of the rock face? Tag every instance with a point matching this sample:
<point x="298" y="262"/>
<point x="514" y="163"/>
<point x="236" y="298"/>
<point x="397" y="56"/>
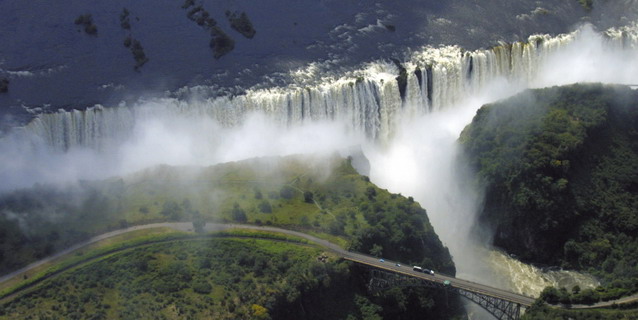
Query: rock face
<point x="559" y="167"/>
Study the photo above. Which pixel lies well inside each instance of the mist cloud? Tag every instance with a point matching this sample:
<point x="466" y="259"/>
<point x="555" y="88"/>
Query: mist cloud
<point x="171" y="140"/>
<point x="420" y="159"/>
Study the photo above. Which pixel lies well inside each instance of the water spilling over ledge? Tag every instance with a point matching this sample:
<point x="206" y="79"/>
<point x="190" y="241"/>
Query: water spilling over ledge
<point x="371" y="100"/>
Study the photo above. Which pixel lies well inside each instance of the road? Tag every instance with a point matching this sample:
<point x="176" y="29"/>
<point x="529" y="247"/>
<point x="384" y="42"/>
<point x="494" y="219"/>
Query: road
<point x="628" y="299"/>
<point x="352" y="256"/>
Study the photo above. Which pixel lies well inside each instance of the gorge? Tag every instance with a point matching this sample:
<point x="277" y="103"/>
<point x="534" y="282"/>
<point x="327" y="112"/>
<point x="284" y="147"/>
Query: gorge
<point x="406" y="115"/>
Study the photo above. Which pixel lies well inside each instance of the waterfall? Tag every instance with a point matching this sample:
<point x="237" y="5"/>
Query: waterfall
<point x="446" y="84"/>
<point x="368" y="98"/>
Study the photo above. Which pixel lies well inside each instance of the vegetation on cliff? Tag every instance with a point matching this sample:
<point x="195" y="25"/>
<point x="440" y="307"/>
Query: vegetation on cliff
<point x="560" y="171"/>
<point x="207" y="278"/>
<point x="323" y="197"/>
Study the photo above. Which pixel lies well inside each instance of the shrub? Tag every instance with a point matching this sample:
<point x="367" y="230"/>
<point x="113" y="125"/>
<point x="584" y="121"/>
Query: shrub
<point x="265" y="207"/>
<point x="308" y="197"/>
<point x="287" y="192"/>
<point x="238" y="214"/>
<point x="202" y="287"/>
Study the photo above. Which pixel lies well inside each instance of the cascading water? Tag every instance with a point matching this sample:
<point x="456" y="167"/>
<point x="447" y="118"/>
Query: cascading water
<point x="367" y="99"/>
<point x="410" y="140"/>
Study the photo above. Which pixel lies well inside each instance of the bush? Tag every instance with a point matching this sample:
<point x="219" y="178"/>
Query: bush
<point x="202" y="287"/>
<point x="371" y="192"/>
<point x="308" y="197"/>
<point x="265" y="207"/>
<point x="287" y="192"/>
<point x="238" y="214"/>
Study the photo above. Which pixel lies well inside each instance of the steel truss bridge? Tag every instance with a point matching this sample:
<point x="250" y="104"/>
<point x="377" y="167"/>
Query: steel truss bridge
<point x="501" y="308"/>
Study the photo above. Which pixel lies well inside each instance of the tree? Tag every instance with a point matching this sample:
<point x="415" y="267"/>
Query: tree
<point x="308" y="197"/>
<point x="260" y="312"/>
<point x="171" y="210"/>
<point x="265" y="207"/>
<point x="371" y="192"/>
<point x="376" y="250"/>
<point x="238" y="214"/>
<point x="576" y="289"/>
<point x="202" y="287"/>
<point x="287" y="192"/>
<point x="550" y="295"/>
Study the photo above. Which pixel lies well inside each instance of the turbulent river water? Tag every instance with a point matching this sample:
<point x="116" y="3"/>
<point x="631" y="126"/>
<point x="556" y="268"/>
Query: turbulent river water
<point x="406" y="117"/>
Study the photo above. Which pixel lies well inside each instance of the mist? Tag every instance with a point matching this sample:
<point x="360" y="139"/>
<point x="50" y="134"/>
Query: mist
<point x="419" y="159"/>
<point x="177" y="140"/>
<point x="590" y="58"/>
<point x="424" y="160"/>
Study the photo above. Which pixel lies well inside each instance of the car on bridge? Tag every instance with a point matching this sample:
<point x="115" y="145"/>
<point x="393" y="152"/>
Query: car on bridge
<point x="424" y="270"/>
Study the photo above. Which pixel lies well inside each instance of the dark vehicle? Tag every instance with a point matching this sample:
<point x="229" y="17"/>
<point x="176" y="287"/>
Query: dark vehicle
<point x="424" y="270"/>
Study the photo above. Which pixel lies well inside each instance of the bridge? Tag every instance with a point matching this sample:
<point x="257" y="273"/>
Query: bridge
<point x="384" y="274"/>
<point x="502" y="304"/>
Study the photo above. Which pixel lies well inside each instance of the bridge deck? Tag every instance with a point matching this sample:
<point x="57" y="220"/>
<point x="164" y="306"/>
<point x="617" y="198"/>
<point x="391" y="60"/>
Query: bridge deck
<point x="439" y="278"/>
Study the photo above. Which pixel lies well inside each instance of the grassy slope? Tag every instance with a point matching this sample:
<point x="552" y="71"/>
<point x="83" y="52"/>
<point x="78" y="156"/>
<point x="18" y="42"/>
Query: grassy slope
<point x="560" y="167"/>
<point x="345" y="208"/>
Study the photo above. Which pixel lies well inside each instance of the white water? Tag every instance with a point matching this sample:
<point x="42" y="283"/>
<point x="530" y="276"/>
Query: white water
<point x="410" y="142"/>
<point x="367" y="100"/>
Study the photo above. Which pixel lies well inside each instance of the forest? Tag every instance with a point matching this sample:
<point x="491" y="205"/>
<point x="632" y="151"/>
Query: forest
<point x="326" y="198"/>
<point x="559" y="167"/>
